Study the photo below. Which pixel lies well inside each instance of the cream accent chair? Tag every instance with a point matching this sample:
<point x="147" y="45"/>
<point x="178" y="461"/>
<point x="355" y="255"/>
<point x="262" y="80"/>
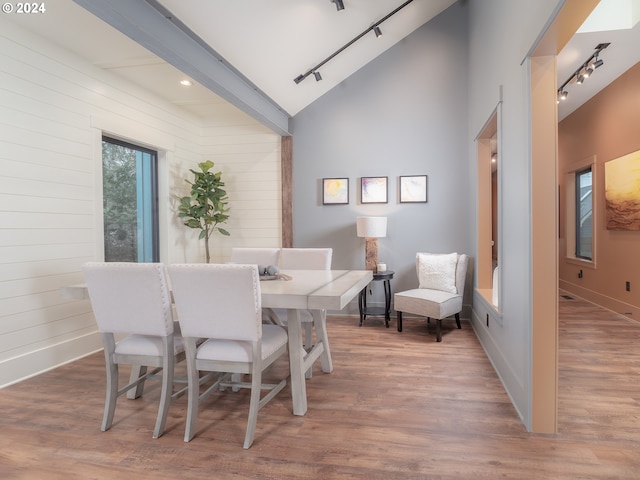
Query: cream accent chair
<point x="441" y="289"/>
<point x="134" y="299"/>
<point x="305" y="259"/>
<point x="222" y="304"/>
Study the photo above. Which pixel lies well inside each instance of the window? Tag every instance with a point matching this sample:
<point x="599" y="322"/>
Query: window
<point x="584" y="214"/>
<point x="581" y="196"/>
<point x="130" y="202"/>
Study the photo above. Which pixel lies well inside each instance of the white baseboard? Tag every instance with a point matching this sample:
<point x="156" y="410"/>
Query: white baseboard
<point x="16" y="369"/>
<point x="617" y="306"/>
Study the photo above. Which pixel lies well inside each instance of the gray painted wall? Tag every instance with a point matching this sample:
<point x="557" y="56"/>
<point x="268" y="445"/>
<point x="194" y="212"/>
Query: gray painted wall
<point x="403" y="114"/>
<point x="501" y="34"/>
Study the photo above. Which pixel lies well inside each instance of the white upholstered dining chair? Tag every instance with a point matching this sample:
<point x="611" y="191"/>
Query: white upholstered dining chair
<point x="256" y="255"/>
<point x="261" y="256"/>
<point x="133" y="299"/>
<point x="441" y="289"/>
<point x="222" y="303"/>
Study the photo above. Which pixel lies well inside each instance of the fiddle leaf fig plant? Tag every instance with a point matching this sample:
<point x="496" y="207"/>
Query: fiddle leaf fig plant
<point x="206" y="208"/>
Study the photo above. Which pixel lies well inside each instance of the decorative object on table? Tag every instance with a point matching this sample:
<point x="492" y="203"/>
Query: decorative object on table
<point x="413" y="189"/>
<point x="207" y="205"/>
<point x="373" y="190"/>
<point x="371" y="228"/>
<point x="441" y="280"/>
<point x="335" y="191"/>
<point x="622" y="192"/>
<point x="277" y="276"/>
<point x="271" y="272"/>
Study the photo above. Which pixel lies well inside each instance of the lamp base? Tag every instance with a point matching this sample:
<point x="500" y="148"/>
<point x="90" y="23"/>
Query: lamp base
<point x="371" y="253"/>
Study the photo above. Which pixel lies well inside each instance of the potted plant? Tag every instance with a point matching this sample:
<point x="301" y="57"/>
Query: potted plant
<point x="207" y="205"/>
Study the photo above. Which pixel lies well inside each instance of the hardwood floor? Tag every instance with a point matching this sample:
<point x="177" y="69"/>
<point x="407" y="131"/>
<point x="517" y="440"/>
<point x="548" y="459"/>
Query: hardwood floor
<point x="397" y="406"/>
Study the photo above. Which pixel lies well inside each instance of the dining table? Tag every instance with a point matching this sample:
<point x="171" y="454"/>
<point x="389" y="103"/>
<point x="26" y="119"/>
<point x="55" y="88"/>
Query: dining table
<point x="296" y="290"/>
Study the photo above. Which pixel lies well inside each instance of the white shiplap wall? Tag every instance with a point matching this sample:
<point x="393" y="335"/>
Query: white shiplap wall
<point x="248" y="155"/>
<point x="53" y="109"/>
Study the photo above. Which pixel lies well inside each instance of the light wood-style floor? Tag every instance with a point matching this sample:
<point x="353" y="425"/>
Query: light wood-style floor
<point x="398" y="406"/>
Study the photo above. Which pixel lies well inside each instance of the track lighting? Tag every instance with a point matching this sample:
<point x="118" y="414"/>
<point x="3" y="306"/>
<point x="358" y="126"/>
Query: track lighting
<point x="587" y="72"/>
<point x="584" y="71"/>
<point x="339" y="5"/>
<point x="373" y="28"/>
<point x="562" y="95"/>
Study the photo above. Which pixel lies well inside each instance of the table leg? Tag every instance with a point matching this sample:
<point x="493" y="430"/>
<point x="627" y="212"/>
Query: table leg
<point x="387" y="302"/>
<point x="320" y="323"/>
<point x="362" y="304"/>
<point x="296" y="363"/>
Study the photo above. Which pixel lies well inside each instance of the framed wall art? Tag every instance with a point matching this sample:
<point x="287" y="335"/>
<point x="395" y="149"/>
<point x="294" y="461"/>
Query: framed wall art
<point x="373" y="190"/>
<point x="335" y="191"/>
<point x="413" y="189"/>
<point x="622" y="192"/>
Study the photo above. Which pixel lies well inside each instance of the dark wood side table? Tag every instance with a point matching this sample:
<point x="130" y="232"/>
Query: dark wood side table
<point x="385" y="278"/>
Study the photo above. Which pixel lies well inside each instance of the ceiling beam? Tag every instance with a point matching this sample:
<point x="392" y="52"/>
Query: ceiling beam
<point x="152" y="26"/>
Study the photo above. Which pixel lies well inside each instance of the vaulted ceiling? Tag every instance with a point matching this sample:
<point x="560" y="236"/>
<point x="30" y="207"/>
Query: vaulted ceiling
<point x="266" y="44"/>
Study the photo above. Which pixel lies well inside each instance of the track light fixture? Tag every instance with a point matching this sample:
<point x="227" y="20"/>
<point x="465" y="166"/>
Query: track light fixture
<point x="373" y="28"/>
<point x="339" y="4"/>
<point x="584" y="71"/>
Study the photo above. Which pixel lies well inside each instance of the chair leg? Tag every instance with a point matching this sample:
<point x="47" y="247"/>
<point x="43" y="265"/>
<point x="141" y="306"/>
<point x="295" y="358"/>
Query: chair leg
<point x="307" y="345"/>
<point x="193" y="389"/>
<point x="112" y="381"/>
<point x="308" y="336"/>
<point x="438" y="330"/>
<point x="168" y="361"/>
<point x="254" y="406"/>
<point x="458" y="320"/>
<point x="236" y="379"/>
<point x="137" y="371"/>
<point x="399" y="320"/>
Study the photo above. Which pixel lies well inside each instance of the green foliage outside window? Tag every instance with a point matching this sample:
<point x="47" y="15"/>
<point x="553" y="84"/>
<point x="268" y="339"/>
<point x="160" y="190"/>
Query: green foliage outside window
<point x="119" y="203"/>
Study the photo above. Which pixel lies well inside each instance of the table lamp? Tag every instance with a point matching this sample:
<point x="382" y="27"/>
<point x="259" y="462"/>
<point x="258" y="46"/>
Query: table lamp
<point x="371" y="228"/>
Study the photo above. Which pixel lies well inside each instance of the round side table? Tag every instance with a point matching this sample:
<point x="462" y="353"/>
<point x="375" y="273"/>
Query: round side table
<point x="385" y="278"/>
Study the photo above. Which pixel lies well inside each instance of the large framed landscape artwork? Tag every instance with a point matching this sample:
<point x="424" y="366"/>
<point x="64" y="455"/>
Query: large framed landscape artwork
<point x="622" y="192"/>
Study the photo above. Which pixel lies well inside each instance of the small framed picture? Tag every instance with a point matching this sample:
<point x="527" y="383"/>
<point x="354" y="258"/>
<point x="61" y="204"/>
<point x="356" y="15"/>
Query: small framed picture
<point x="373" y="190"/>
<point x="413" y="189"/>
<point x="335" y="191"/>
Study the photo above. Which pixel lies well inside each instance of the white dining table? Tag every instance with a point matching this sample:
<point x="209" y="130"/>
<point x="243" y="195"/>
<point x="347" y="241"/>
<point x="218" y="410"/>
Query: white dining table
<point x="314" y="290"/>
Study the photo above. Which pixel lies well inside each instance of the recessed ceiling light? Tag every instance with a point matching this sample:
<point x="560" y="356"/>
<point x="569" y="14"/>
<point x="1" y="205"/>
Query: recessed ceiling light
<point x="186" y="83"/>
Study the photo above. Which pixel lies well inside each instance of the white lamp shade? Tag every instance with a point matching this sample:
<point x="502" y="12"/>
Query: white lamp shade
<point x="372" y="227"/>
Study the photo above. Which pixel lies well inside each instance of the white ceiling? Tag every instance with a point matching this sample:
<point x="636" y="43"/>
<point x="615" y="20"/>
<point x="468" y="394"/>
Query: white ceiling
<point x="272" y="42"/>
<point x="615" y="22"/>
